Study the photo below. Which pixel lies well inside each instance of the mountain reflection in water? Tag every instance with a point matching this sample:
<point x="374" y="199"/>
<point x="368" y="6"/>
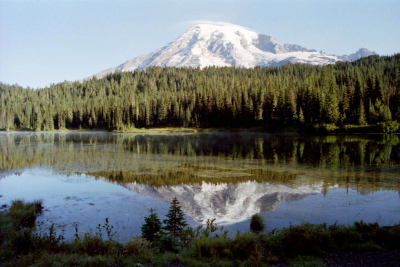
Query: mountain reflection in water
<point x="228" y="176"/>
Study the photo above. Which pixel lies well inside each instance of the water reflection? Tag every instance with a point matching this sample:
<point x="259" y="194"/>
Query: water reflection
<point x="20" y="150"/>
<point x="225" y="176"/>
<point x="228" y="203"/>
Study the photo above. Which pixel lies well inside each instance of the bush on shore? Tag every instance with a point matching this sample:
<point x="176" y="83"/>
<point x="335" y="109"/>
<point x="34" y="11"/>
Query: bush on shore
<point x="211" y="245"/>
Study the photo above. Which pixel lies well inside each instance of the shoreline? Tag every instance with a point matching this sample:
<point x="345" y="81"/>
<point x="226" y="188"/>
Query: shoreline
<point x="306" y="244"/>
<point x="192" y="130"/>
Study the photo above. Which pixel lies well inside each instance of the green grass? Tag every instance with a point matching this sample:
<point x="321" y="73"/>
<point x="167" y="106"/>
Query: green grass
<point x="306" y="261"/>
<point x="298" y="245"/>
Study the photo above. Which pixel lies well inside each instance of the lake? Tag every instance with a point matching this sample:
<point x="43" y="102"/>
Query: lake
<point x="85" y="177"/>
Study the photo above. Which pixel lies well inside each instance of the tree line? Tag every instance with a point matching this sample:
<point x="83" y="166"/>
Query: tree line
<point x="366" y="91"/>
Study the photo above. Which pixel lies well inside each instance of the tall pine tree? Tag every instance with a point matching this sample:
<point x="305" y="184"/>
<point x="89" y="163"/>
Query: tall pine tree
<point x="176" y="222"/>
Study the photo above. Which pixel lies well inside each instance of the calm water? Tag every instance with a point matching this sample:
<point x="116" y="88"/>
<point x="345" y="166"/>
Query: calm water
<point x="86" y="177"/>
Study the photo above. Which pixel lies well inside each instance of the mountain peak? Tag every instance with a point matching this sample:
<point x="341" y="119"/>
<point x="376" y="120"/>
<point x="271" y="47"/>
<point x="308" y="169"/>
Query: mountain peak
<point x="230" y="31"/>
<point x="225" y="44"/>
<point x="362" y="52"/>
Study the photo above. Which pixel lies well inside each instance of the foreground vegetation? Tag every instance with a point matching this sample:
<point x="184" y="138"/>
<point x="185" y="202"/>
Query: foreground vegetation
<point x="299" y="245"/>
<point x="364" y="92"/>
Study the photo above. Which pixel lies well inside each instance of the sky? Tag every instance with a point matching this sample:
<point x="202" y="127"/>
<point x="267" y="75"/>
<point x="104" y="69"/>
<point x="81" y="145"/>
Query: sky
<point x="46" y="42"/>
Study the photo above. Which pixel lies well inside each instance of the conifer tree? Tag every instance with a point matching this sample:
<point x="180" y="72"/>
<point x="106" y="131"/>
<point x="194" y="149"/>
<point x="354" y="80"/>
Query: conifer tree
<point x="371" y="112"/>
<point x="290" y="104"/>
<point x="332" y="103"/>
<point x="151" y="227"/>
<point x="301" y="116"/>
<point x="309" y="102"/>
<point x="346" y="102"/>
<point x="176" y="222"/>
<point x="210" y="97"/>
<point x="370" y="87"/>
<point x="361" y="114"/>
<point x="397" y="94"/>
<point x="358" y="98"/>
<point x="387" y="114"/>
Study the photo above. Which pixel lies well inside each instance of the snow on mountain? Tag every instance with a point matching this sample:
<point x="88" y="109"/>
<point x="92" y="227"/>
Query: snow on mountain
<point x="228" y="203"/>
<point x="362" y="52"/>
<point x="224" y="44"/>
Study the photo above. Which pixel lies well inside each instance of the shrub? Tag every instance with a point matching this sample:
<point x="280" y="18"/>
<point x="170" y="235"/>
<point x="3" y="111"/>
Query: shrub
<point x="393" y="237"/>
<point x="139" y="246"/>
<point x="189" y="234"/>
<point x="219" y="247"/>
<point x="363" y="227"/>
<point x="243" y="245"/>
<point x="216" y="247"/>
<point x="201" y="246"/>
<point x="304" y="239"/>
<point x="23" y="241"/>
<point x="306" y="261"/>
<point x="331" y="127"/>
<point x="6" y="227"/>
<point x="257" y="223"/>
<point x="24" y="214"/>
<point x="48" y="241"/>
<point x="97" y="261"/>
<point x="94" y="245"/>
<point x="168" y="242"/>
<point x="151" y="227"/>
<point x="388" y="126"/>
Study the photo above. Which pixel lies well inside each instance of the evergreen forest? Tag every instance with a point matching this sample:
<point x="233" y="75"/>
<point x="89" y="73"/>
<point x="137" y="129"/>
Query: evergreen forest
<point x="364" y="92"/>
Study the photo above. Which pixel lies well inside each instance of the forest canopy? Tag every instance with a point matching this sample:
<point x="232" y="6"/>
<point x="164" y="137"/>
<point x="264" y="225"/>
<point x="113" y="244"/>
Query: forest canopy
<point x="363" y="92"/>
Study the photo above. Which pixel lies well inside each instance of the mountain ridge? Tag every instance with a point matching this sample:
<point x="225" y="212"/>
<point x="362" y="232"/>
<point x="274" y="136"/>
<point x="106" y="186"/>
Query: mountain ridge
<point x="224" y="44"/>
<point x="227" y="203"/>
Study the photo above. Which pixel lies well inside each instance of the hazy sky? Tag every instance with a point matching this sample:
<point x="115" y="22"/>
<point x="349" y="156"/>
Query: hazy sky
<point x="44" y="42"/>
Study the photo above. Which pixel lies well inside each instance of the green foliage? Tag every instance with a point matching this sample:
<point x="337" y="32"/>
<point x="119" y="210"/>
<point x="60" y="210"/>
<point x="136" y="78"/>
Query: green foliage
<point x="176" y="222"/>
<point x="100" y="228"/>
<point x="388" y="126"/>
<point x="361" y="114"/>
<point x="168" y="242"/>
<point x="295" y="245"/>
<point x="96" y="261"/>
<point x="189" y="235"/>
<point x="243" y="245"/>
<point x="215" y="247"/>
<point x="16" y="228"/>
<point x="94" y="245"/>
<point x="306" y="261"/>
<point x="6" y="227"/>
<point x="211" y="227"/>
<point x="139" y="246"/>
<point x="209" y="97"/>
<point x="163" y="259"/>
<point x="152" y="226"/>
<point x="26" y="240"/>
<point x="257" y="223"/>
<point x="24" y="214"/>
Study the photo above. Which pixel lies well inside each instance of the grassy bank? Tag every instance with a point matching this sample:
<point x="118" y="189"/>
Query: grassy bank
<point x="313" y="129"/>
<point x="305" y="128"/>
<point x="207" y="246"/>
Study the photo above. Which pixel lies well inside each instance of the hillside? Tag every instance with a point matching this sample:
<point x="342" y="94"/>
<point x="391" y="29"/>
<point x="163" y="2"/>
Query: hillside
<point x="363" y="92"/>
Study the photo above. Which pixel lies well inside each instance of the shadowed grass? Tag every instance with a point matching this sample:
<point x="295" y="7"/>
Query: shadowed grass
<point x="24" y="214"/>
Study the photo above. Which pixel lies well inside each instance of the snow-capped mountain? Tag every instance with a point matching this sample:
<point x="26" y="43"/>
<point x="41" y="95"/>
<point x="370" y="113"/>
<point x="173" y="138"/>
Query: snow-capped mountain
<point x="228" y="203"/>
<point x="362" y="52"/>
<point x="224" y="44"/>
